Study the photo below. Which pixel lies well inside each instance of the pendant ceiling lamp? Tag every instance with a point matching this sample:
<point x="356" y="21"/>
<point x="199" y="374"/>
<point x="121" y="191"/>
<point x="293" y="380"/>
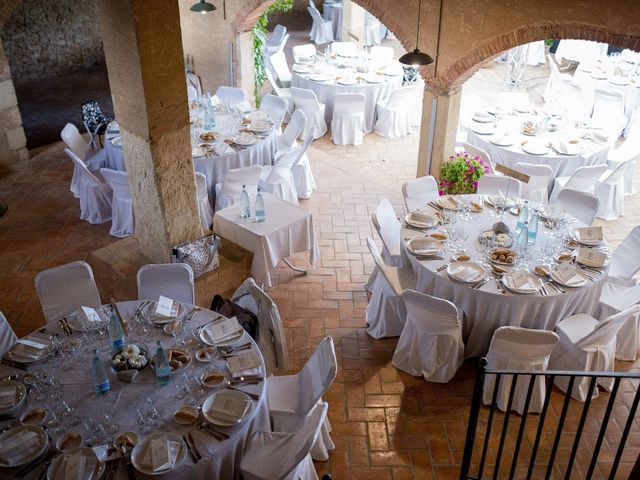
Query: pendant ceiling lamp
<point x="203" y="7"/>
<point x="416" y="58"/>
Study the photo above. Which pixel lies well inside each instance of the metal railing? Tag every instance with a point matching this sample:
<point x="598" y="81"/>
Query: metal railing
<point x="530" y="463"/>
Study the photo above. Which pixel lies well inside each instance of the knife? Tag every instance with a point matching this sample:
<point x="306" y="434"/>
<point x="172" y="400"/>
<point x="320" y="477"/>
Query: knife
<point x="11" y="363"/>
<point x="190" y="449"/>
<point x="193" y="444"/>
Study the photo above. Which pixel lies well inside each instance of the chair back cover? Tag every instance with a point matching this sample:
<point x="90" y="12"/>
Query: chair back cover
<point x="293" y="130"/>
<point x="316" y="376"/>
<point x="430" y="314"/>
<point x="7" y="335"/>
<point x="306" y="50"/>
<point x="293" y="156"/>
<point x="82" y="168"/>
<point x="607" y="104"/>
<point x="172" y="280"/>
<point x="381" y="54"/>
<point x="276" y="107"/>
<point x="474" y="151"/>
<point x="118" y="181"/>
<point x="201" y="186"/>
<point x="74" y="141"/>
<point x="278" y="34"/>
<point x="380" y="263"/>
<point x="271" y="339"/>
<point x="584" y="178"/>
<point x="630" y="148"/>
<point x="233" y="95"/>
<point x="193" y="81"/>
<point x="537" y="189"/>
<point x="276" y="88"/>
<point x="499" y="184"/>
<point x="419" y="192"/>
<point x="348" y="104"/>
<point x="625" y="259"/>
<point x="583" y="206"/>
<point x="344" y="49"/>
<point x="305" y="99"/>
<point x="388" y="226"/>
<point x="607" y="329"/>
<point x="64" y="289"/>
<point x="400" y="98"/>
<point x="618" y="173"/>
<point x="279" y="63"/>
<point x="234" y="180"/>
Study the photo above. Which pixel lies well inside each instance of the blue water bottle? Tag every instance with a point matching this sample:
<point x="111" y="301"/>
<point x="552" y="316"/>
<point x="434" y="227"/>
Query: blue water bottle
<point x="99" y="374"/>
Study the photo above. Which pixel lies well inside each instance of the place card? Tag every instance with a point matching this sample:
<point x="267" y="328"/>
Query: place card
<point x="519" y="279"/>
<point x="589" y="256"/>
<point x="565" y="271"/>
<point x="245" y="361"/>
<point x="590" y="234"/>
<point x="90" y="315"/>
<point x="165" y="307"/>
<point x="18" y="445"/>
<point x="224" y="329"/>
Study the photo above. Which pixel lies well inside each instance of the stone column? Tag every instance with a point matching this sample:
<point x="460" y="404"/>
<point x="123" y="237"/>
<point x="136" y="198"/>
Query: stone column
<point x="13" y="143"/>
<point x="143" y="50"/>
<point x="438" y="133"/>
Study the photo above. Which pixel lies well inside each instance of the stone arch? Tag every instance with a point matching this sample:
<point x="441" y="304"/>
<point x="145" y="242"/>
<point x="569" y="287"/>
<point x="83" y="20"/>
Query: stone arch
<point x="464" y="67"/>
<point x="6" y="9"/>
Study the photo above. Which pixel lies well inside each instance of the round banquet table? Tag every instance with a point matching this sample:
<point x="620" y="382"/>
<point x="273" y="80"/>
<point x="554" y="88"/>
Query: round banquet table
<point x="333" y="11"/>
<point x="601" y="76"/>
<point x="592" y="152"/>
<point x="214" y="167"/>
<point x="486" y="309"/>
<point x="220" y="459"/>
<point x="373" y="92"/>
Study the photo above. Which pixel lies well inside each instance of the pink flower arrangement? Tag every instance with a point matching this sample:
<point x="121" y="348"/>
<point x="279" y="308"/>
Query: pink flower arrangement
<point x="460" y="174"/>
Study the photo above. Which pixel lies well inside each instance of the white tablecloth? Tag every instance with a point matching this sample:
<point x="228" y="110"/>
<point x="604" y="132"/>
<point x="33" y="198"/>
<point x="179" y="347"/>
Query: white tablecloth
<point x="485" y="309"/>
<point x="589" y="84"/>
<point x="221" y="459"/>
<point x="333" y="12"/>
<point x="286" y="230"/>
<point x="326" y="92"/>
<point x="580" y="50"/>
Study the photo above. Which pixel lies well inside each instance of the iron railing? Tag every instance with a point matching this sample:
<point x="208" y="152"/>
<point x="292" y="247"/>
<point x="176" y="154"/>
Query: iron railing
<point x="530" y="463"/>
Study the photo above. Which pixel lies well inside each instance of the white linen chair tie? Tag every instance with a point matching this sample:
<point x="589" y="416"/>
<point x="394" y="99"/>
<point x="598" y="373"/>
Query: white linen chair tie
<point x="419" y="192"/>
<point x="122" y="220"/>
<point x="284" y="456"/>
<point x="171" y="280"/>
<point x="7" y="336"/>
<point x="95" y="194"/>
<point x="344" y="49"/>
<point x="629" y="151"/>
<point x="583" y="179"/>
<point x="395" y="113"/>
<point x="499" y="185"/>
<point x="385" y="313"/>
<point x="430" y="344"/>
<point x="94" y="159"/>
<point x="587" y="345"/>
<point x="537" y="190"/>
<point x="347" y="123"/>
<point x="610" y="191"/>
<point x="474" y="151"/>
<point x="283" y="93"/>
<point x="278" y="62"/>
<point x="204" y="207"/>
<point x="583" y="206"/>
<point x="284" y="179"/>
<point x="228" y="192"/>
<point x="380" y="54"/>
<point x="277" y="109"/>
<point x="270" y="337"/>
<point x="292" y="397"/>
<point x="306" y="51"/>
<point x="388" y="227"/>
<point x="516" y="348"/>
<point x="63" y="290"/>
<point x="321" y="29"/>
<point x="307" y="101"/>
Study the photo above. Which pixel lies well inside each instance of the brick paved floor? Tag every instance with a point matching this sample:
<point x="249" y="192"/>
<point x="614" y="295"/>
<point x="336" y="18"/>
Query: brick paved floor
<point x="386" y="424"/>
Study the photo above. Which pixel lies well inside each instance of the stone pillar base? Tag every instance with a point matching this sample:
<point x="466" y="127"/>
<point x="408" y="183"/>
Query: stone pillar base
<point x="116" y="266"/>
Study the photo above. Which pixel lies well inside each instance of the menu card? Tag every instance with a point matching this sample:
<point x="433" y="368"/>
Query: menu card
<point x="166" y="307"/>
<point x="8" y="396"/>
<point x="565" y="271"/>
<point x="521" y="280"/>
<point x="229" y="407"/>
<point x="589" y="256"/>
<point x="164" y="453"/>
<point x="590" y="234"/>
<point x="19" y="445"/>
<point x="449" y="202"/>
<point x="245" y="361"/>
<point x="422" y="217"/>
<point x="223" y="330"/>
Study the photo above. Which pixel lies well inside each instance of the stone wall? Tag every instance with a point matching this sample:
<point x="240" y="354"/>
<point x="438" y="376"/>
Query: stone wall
<point x="44" y="38"/>
<point x="13" y="144"/>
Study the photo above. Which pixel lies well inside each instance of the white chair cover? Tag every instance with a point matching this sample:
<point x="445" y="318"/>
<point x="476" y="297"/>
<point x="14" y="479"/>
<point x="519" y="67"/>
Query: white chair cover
<point x="499" y="184"/>
<point x="388" y="227"/>
<point x="608" y="111"/>
<point x="171" y="280"/>
<point x="270" y="337"/>
<point x="193" y="81"/>
<point x="379" y="54"/>
<point x="321" y="29"/>
<point x="273" y="42"/>
<point x="279" y="63"/>
<point x="372" y="30"/>
<point x="474" y="151"/>
<point x="277" y="109"/>
<point x="307" y="101"/>
<point x="628" y="151"/>
<point x="291" y="397"/>
<point x="292" y="132"/>
<point x="347" y="122"/>
<point x="95" y="194"/>
<point x="583" y="179"/>
<point x="283" y="93"/>
<point x="344" y="49"/>
<point x="291" y="176"/>
<point x="587" y="345"/>
<point x="122" y="221"/>
<point x="94" y="159"/>
<point x="64" y="289"/>
<point x="628" y="337"/>
<point x="284" y="456"/>
<point x="385" y="313"/>
<point x="233" y="95"/>
<point x="616" y="298"/>
<point x="610" y="191"/>
<point x="419" y="192"/>
<point x="431" y="341"/>
<point x="192" y="94"/>
<point x="395" y="113"/>
<point x="228" y="192"/>
<point x="303" y="51"/>
<point x="537" y="190"/>
<point x="516" y="348"/>
<point x="204" y="207"/>
<point x="625" y="260"/>
<point x="7" y="336"/>
<point x="583" y="206"/>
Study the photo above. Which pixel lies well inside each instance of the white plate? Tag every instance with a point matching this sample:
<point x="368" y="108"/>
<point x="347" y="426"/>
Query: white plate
<point x="149" y="311"/>
<point x="211" y="416"/>
<point x="207" y="341"/>
<point x="424" y="247"/>
<point x="21" y="394"/>
<point x="74" y="322"/>
<point x="17" y="357"/>
<point x="432" y="221"/>
<point x="320" y="77"/>
<point x="534" y="279"/>
<point x="483" y="118"/>
<point x="261" y="130"/>
<point x="593" y="264"/>
<point x="599" y="76"/>
<point x="444" y="204"/>
<point x="535" y="148"/>
<point x="483" y="128"/>
<point x="139" y="451"/>
<point x="298" y="68"/>
<point x="374" y="79"/>
<point x="572" y="149"/>
<point x="347" y="81"/>
<point x="43" y="441"/>
<point x="494" y="110"/>
<point x="503" y="141"/>
<point x="198" y="152"/>
<point x="86" y="451"/>
<point x="583" y="279"/>
<point x="480" y="273"/>
<point x="245" y="140"/>
<point x="621" y="81"/>
<point x="116" y="141"/>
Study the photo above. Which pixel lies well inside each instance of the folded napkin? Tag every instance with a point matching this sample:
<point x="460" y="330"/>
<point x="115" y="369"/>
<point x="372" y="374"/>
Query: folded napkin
<point x="243" y="362"/>
<point x="222" y="330"/>
<point x="20" y="444"/>
<point x="599" y="136"/>
<point x="422" y="217"/>
<point x="424" y="246"/>
<point x="525" y="283"/>
<point x="465" y="273"/>
<point x="589" y="256"/>
<point x="8" y="396"/>
<point x="229" y="407"/>
<point x="77" y="467"/>
<point x="161" y="454"/>
<point x="30" y="348"/>
<point x="567" y="274"/>
<point x="502" y="137"/>
<point x="483" y="114"/>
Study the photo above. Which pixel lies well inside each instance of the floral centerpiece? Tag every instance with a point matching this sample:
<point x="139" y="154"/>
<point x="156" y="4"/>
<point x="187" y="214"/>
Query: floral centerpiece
<point x="460" y="174"/>
<point x="131" y="357"/>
